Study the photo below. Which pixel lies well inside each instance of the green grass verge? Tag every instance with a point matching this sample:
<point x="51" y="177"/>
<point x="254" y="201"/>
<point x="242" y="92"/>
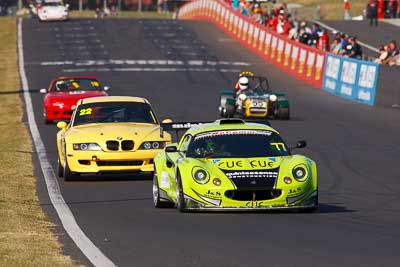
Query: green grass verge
<point x="26" y="238"/>
<point x="332" y="9"/>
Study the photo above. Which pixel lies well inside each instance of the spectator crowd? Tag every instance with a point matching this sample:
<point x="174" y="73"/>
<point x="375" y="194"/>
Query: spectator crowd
<point x="280" y="21"/>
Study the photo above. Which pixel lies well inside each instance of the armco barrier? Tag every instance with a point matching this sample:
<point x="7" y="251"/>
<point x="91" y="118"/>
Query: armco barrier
<point x="299" y="60"/>
<point x="351" y="79"/>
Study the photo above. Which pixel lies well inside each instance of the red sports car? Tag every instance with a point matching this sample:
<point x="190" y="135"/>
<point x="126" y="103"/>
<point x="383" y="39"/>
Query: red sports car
<point x="64" y="92"/>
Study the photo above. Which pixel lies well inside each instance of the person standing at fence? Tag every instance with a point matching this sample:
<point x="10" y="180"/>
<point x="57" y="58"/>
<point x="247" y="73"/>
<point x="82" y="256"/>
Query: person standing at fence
<point x="393" y="5"/>
<point x="346" y="7"/>
<point x="372" y="12"/>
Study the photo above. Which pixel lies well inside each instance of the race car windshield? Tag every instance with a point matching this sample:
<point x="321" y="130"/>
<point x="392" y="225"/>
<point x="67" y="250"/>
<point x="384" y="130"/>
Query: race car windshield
<point x="71" y="85"/>
<point x="112" y="112"/>
<point x="237" y="144"/>
<point x="55" y="3"/>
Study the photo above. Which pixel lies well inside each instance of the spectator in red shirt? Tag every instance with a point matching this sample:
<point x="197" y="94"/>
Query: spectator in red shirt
<point x="323" y="41"/>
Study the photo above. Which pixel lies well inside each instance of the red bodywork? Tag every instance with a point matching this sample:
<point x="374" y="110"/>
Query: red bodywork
<point x="58" y="105"/>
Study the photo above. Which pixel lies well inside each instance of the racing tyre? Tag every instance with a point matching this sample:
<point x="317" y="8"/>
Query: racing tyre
<point x="60" y="169"/>
<point x="229" y="111"/>
<point x="222" y="105"/>
<point x="67" y="174"/>
<point x="283" y="113"/>
<point x="180" y="200"/>
<point x="158" y="203"/>
<point x="46" y="121"/>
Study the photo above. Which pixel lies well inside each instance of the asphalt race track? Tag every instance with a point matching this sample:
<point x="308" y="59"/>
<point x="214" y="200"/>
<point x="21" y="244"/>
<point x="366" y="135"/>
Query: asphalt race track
<point x="180" y="67"/>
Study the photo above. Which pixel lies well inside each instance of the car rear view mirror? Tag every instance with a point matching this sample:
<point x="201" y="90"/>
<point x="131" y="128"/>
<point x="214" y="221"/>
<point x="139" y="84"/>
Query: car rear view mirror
<point x="171" y="149"/>
<point x="43" y="91"/>
<point x="61" y="125"/>
<point x="106" y="88"/>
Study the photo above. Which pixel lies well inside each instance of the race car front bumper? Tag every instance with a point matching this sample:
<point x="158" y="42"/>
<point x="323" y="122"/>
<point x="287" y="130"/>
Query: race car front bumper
<point x="306" y="201"/>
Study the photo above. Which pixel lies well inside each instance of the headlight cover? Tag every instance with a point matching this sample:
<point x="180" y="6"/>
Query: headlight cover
<point x="242" y="97"/>
<point x="86" y="146"/>
<point x="300" y="173"/>
<point x="200" y="175"/>
<point x="273" y="98"/>
<point x="152" y="145"/>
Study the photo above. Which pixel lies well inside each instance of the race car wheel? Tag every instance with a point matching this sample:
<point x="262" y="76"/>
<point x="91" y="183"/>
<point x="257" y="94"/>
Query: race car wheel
<point x="222" y="105"/>
<point x="283" y="113"/>
<point x="158" y="203"/>
<point x="229" y="111"/>
<point x="180" y="200"/>
<point x="67" y="174"/>
<point x="60" y="169"/>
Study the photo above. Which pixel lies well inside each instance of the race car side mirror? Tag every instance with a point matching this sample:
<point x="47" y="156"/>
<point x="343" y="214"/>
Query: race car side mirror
<point x="106" y="88"/>
<point x="171" y="149"/>
<point x="43" y="91"/>
<point x="301" y="144"/>
<point x="166" y="121"/>
<point x="62" y="125"/>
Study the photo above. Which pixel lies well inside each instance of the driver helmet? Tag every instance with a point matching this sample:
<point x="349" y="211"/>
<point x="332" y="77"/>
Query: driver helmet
<point x="61" y="86"/>
<point x="243" y="83"/>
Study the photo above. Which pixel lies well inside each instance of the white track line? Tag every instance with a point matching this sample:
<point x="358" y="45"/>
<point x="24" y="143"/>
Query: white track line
<point x="333" y="29"/>
<point x="93" y="253"/>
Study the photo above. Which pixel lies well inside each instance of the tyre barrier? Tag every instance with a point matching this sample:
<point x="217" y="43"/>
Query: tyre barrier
<point x="351" y="79"/>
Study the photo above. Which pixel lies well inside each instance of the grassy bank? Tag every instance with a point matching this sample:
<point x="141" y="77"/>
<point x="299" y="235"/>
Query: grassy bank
<point x="332" y="9"/>
<point x="26" y="238"/>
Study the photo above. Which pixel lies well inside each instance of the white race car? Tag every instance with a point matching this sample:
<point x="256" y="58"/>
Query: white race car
<point x="49" y="10"/>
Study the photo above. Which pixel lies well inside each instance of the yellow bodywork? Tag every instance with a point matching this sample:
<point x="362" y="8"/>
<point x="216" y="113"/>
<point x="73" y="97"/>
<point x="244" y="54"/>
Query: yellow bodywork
<point x="104" y="159"/>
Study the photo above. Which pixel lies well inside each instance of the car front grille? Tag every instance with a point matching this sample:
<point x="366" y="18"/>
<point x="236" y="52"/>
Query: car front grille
<point x="112" y="145"/>
<point x="253" y="195"/>
<point x="127" y="145"/>
<point x="115" y="145"/>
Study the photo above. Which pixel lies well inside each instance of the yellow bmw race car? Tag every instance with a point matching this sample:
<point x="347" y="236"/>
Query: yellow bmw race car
<point x="109" y="134"/>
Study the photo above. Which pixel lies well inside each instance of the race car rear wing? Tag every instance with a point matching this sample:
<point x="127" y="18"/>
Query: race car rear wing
<point x="179" y="127"/>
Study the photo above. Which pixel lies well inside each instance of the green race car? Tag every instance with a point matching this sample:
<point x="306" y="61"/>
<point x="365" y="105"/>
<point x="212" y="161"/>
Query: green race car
<point x="231" y="164"/>
<point x="257" y="100"/>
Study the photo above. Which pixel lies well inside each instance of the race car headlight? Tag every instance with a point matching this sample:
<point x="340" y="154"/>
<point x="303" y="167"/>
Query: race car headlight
<point x="242" y="97"/>
<point x="86" y="146"/>
<point x="300" y="173"/>
<point x="200" y="175"/>
<point x="152" y="145"/>
<point x="273" y="98"/>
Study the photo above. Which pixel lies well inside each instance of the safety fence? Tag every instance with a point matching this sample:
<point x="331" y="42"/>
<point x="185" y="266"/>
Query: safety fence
<point x="352" y="79"/>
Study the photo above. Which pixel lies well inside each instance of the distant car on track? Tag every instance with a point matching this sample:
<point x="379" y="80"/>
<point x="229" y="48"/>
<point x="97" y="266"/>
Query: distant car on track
<point x="233" y="165"/>
<point x="64" y="92"/>
<point x="109" y="134"/>
<point x="51" y="10"/>
<point x="257" y="101"/>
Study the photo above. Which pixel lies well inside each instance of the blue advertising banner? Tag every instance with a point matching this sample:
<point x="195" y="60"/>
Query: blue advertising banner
<point x="352" y="79"/>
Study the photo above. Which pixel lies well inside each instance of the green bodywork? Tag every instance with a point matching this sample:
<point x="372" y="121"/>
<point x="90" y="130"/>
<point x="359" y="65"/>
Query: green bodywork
<point x="174" y="172"/>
